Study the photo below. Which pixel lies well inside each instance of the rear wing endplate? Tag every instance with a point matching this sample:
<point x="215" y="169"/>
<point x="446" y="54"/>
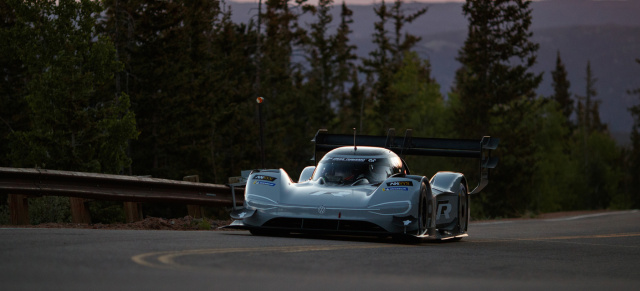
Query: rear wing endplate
<point x="408" y="145"/>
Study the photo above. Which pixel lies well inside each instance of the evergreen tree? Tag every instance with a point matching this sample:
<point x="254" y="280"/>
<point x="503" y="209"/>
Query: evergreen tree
<point x="496" y="59"/>
<point x="349" y="100"/>
<point x="321" y="85"/>
<point x="422" y="104"/>
<point x="345" y="53"/>
<point x="561" y="87"/>
<point x="331" y="61"/>
<point x="351" y="111"/>
<point x="402" y="44"/>
<point x="589" y="106"/>
<point x="174" y="72"/>
<point x="13" y="107"/>
<point x="202" y="91"/>
<point x="77" y="123"/>
<point x="597" y="153"/>
<point x="385" y="61"/>
<point x="142" y="33"/>
<point x="528" y="144"/>
<point x="634" y="155"/>
<point x="420" y="107"/>
<point x="281" y="83"/>
<point x="233" y="103"/>
<point x="378" y="70"/>
<point x="494" y="94"/>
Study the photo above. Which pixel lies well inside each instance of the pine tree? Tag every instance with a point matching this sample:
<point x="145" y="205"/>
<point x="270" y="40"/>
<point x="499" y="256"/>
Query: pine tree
<point x="589" y="106"/>
<point x="345" y="52"/>
<point x="494" y="94"/>
<point x="173" y="74"/>
<point x="78" y="124"/>
<point x="561" y="87"/>
<point x="201" y="87"/>
<point x="331" y="60"/>
<point x="402" y="44"/>
<point x="231" y="112"/>
<point x="422" y="104"/>
<point x="599" y="156"/>
<point x="385" y="61"/>
<point x="281" y="83"/>
<point x="496" y="59"/>
<point x="349" y="100"/>
<point x="320" y="89"/>
<point x="144" y="41"/>
<point x="13" y="107"/>
<point x="378" y="69"/>
<point x="634" y="155"/>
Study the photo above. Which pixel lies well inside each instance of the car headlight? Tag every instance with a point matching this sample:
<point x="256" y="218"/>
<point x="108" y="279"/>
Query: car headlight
<point x="391" y="208"/>
<point x="260" y="202"/>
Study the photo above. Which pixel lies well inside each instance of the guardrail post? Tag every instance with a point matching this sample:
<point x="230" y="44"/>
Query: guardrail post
<point x="19" y="209"/>
<point x="79" y="211"/>
<point x="132" y="211"/>
<point x="194" y="211"/>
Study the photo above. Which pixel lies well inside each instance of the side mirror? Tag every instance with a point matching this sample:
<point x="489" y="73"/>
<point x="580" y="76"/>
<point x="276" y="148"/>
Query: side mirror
<point x="306" y="174"/>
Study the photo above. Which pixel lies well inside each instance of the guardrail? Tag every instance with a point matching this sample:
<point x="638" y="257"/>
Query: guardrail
<point x="21" y="184"/>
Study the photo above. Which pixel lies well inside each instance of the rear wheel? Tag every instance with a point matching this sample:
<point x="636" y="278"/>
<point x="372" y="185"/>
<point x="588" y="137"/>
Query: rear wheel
<point x="423" y="217"/>
<point x="463" y="209"/>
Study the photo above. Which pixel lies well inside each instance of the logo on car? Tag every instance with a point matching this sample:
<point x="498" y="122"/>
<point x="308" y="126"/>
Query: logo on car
<point x="400" y="183"/>
<point x="322" y="209"/>
<point x="265" y="178"/>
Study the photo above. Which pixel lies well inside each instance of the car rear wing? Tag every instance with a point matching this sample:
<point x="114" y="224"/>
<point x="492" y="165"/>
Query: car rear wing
<point x="408" y="145"/>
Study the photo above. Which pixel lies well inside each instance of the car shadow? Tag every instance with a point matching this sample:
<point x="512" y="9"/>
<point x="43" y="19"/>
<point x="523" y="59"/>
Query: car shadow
<point x="398" y="240"/>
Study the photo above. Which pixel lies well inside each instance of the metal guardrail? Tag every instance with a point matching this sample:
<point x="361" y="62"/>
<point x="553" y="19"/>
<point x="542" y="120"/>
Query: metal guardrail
<point x="40" y="182"/>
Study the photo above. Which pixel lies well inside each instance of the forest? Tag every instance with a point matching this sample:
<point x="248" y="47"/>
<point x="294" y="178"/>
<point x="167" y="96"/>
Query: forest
<point x="168" y="89"/>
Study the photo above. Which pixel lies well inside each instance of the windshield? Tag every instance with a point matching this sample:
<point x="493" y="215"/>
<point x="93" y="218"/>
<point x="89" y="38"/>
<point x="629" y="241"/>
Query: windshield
<point x="348" y="171"/>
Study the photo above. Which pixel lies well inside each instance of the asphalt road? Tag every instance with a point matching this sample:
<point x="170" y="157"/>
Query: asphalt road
<point x="592" y="252"/>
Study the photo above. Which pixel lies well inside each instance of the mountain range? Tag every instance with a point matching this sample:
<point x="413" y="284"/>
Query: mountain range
<point x="604" y="33"/>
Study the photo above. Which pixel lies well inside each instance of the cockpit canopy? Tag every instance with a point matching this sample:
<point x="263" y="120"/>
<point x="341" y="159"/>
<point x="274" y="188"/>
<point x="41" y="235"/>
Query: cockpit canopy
<point x="364" y="165"/>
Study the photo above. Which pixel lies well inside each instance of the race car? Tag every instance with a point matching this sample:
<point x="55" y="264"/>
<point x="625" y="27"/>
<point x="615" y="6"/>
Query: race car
<point x="364" y="187"/>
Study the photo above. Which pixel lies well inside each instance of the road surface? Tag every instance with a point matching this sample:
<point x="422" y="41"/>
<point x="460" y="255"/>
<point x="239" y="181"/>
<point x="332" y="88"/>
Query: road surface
<point x="590" y="252"/>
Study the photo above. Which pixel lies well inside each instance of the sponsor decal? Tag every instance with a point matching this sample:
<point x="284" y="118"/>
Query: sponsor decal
<point x="360" y="160"/>
<point x="396" y="189"/>
<point x="265" y="178"/>
<point x="400" y="183"/>
<point x="264" y="183"/>
<point x="444" y="209"/>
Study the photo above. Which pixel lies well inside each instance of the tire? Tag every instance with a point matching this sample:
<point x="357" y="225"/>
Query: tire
<point x="423" y="212"/>
<point x="426" y="219"/>
<point x="426" y="213"/>
<point x="463" y="209"/>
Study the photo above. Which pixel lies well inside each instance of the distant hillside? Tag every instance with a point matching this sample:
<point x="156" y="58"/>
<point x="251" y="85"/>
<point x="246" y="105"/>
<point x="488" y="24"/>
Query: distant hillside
<point x="605" y="32"/>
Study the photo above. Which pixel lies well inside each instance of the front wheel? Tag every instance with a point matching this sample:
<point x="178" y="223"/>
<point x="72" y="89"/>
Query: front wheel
<point x="426" y="212"/>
